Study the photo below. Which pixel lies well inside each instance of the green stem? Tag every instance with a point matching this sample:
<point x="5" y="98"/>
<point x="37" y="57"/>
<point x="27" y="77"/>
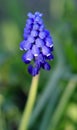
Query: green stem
<point x="30" y="103"/>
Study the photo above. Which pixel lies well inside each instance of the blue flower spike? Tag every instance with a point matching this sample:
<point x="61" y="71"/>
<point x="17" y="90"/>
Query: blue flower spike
<point x="37" y="44"/>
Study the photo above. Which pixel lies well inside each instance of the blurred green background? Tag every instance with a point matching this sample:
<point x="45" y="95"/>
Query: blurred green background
<point x="56" y="102"/>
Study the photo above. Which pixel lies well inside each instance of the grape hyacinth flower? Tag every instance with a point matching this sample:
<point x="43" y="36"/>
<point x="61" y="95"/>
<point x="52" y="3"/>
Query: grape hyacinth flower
<point x="37" y="44"/>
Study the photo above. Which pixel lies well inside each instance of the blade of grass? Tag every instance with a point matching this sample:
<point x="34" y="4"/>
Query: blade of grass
<point x="50" y="108"/>
<point x="2" y="116"/>
<point x="62" y="104"/>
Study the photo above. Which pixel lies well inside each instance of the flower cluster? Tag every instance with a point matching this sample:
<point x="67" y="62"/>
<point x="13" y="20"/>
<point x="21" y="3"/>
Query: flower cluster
<point x="37" y="44"/>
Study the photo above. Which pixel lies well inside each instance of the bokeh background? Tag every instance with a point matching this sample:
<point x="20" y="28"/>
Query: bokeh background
<point x="56" y="102"/>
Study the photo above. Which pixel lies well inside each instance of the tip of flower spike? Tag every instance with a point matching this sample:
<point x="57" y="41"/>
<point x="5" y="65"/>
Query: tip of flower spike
<point x="38" y="14"/>
<point x="30" y="15"/>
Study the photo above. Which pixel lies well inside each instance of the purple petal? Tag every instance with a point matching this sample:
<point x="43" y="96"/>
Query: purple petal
<point x="39" y="42"/>
<point x="42" y="34"/>
<point x="30" y="39"/>
<point x="38" y="14"/>
<point x="38" y="20"/>
<point x="29" y="21"/>
<point x="46" y="66"/>
<point x="33" y="70"/>
<point x="35" y="26"/>
<point x="41" y="28"/>
<point x="52" y="48"/>
<point x="25" y="36"/>
<point x="40" y="58"/>
<point x="30" y="69"/>
<point x="35" y="50"/>
<point x="30" y="15"/>
<point x="50" y="57"/>
<point x="34" y="33"/>
<point x="46" y="51"/>
<point x="37" y="64"/>
<point x="22" y="45"/>
<point x="47" y="32"/>
<point x="49" y="42"/>
<point x="27" y="57"/>
<point x="27" y="45"/>
<point x="26" y="33"/>
<point x="28" y="27"/>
